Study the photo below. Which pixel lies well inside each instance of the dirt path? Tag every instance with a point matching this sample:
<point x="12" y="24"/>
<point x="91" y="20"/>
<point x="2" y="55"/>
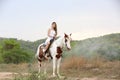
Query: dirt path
<point x="6" y="75"/>
<point x="9" y="75"/>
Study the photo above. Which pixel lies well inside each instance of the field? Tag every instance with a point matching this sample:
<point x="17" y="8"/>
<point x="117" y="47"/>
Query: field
<point x="90" y="59"/>
<point x="73" y="68"/>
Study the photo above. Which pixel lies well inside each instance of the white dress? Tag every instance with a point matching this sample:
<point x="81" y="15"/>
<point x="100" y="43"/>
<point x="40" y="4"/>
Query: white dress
<point x="52" y="34"/>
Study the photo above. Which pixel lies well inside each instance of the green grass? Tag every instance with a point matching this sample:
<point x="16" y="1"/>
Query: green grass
<point x="35" y="76"/>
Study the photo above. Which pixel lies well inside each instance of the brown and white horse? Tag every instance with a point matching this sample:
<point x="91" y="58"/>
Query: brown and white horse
<point x="56" y="52"/>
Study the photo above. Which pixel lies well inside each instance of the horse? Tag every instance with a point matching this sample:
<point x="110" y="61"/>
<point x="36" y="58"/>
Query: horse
<point x="55" y="50"/>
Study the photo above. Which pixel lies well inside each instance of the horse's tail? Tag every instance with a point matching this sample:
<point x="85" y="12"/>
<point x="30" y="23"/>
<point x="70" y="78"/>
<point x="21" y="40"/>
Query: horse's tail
<point x="38" y="50"/>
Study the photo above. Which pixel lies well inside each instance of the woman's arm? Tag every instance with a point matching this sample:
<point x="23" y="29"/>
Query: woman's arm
<point x="49" y="32"/>
<point x="50" y="35"/>
<point x="55" y="35"/>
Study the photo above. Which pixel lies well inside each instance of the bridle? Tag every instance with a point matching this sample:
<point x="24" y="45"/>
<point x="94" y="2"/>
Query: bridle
<point x="66" y="44"/>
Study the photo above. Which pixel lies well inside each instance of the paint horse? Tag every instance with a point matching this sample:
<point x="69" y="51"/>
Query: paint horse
<point x="55" y="52"/>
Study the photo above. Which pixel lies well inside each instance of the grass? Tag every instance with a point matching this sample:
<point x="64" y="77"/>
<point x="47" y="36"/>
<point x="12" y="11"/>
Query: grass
<point x="76" y="62"/>
<point x="23" y="67"/>
<point x="31" y="76"/>
<point x="35" y="76"/>
<point x="73" y="66"/>
<point x="95" y="67"/>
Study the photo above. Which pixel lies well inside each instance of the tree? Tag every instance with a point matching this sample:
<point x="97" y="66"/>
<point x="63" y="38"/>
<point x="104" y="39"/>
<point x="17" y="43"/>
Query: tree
<point x="12" y="52"/>
<point x="16" y="56"/>
<point x="10" y="44"/>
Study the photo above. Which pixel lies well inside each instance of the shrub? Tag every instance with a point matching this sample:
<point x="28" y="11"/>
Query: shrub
<point x="16" y="56"/>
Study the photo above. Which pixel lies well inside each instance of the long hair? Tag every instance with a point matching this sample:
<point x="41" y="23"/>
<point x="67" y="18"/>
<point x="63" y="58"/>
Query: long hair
<point x="55" y="27"/>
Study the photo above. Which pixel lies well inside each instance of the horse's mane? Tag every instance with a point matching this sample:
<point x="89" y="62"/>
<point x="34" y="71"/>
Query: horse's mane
<point x="59" y="37"/>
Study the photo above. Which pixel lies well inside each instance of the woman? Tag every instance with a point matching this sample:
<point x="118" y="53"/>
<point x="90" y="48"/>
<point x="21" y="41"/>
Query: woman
<point x="52" y="33"/>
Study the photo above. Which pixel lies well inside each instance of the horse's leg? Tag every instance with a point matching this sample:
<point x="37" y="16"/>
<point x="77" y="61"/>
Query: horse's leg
<point x="54" y="66"/>
<point x="39" y="66"/>
<point x="58" y="67"/>
<point x="46" y="66"/>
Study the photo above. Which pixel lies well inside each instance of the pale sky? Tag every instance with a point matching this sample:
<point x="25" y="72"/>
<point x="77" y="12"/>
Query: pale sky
<point x="30" y="19"/>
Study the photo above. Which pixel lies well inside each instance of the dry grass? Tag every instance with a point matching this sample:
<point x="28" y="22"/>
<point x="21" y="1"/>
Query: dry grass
<point x="94" y="67"/>
<point x="76" y="62"/>
<point x="23" y="67"/>
<point x="74" y="66"/>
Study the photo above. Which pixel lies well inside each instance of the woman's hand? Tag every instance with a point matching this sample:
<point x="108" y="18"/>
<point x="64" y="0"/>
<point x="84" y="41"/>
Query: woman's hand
<point x="55" y="37"/>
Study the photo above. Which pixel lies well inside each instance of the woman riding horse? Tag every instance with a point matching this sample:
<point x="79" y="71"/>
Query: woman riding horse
<point x="52" y="33"/>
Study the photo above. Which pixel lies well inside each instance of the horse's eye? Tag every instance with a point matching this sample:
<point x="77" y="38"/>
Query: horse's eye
<point x="65" y="40"/>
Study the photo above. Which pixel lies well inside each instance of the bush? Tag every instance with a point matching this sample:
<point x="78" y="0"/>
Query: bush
<point x="11" y="44"/>
<point x="11" y="52"/>
<point x="16" y="56"/>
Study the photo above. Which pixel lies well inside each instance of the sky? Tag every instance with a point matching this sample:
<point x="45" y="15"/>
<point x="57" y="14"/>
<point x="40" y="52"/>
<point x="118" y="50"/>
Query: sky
<point x="30" y="19"/>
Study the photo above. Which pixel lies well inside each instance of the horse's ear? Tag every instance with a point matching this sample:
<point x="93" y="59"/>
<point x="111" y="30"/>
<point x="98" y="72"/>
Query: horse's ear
<point x="65" y="35"/>
<point x="70" y="34"/>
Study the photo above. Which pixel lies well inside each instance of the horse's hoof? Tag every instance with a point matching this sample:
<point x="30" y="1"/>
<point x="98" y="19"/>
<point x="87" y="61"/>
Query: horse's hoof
<point x="61" y="77"/>
<point x="53" y="76"/>
<point x="38" y="76"/>
<point x="45" y="73"/>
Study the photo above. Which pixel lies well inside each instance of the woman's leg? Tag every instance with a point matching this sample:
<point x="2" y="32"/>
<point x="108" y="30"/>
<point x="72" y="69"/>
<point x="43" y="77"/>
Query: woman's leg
<point x="46" y="47"/>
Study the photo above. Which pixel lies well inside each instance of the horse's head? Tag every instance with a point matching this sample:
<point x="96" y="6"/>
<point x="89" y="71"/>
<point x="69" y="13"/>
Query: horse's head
<point x="67" y="40"/>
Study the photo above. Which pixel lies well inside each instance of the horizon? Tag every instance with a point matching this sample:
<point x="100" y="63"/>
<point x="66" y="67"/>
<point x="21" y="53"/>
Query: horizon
<point x="29" y="20"/>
